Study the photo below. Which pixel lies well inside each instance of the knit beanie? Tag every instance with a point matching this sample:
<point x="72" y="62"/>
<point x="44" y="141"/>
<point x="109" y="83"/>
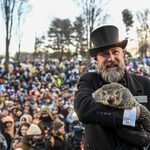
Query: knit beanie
<point x="34" y="130"/>
<point x="57" y="124"/>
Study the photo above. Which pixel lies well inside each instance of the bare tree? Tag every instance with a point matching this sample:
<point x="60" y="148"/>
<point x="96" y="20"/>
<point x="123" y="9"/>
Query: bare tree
<point x="92" y="14"/>
<point x="143" y="31"/>
<point x="7" y="7"/>
<point x="22" y="12"/>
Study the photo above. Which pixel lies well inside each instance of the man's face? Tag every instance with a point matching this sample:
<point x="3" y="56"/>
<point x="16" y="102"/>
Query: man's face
<point x="111" y="64"/>
<point x="61" y="130"/>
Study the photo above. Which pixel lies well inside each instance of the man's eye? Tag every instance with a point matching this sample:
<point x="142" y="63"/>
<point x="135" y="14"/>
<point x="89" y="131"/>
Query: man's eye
<point x="104" y="54"/>
<point x="115" y="52"/>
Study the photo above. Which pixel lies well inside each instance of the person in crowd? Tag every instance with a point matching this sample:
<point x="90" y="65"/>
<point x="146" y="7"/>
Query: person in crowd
<point x="60" y="104"/>
<point x="107" y="128"/>
<point x="36" y="115"/>
<point x="46" y="117"/>
<point x="19" y="135"/>
<point x="9" y="125"/>
<point x="27" y="107"/>
<point x="40" y="101"/>
<point x="54" y="111"/>
<point x="14" y="110"/>
<point x="29" y="117"/>
<point x="4" y="112"/>
<point x="15" y="143"/>
<point x="72" y="120"/>
<point x="59" y="139"/>
<point x="28" y="141"/>
<point x="17" y="117"/>
<point x="25" y="118"/>
<point x="6" y="138"/>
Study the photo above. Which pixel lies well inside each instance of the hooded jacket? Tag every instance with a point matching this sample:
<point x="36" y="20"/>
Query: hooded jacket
<point x="24" y="145"/>
<point x="11" y="129"/>
<point x="100" y="120"/>
<point x="28" y="118"/>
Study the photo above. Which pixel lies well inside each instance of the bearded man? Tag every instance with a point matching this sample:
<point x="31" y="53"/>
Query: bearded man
<point x="107" y="128"/>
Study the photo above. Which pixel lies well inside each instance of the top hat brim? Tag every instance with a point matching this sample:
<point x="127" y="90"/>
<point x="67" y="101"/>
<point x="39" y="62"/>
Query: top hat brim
<point x="93" y="51"/>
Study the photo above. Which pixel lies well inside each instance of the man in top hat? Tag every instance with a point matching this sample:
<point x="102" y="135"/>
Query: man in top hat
<point x="107" y="128"/>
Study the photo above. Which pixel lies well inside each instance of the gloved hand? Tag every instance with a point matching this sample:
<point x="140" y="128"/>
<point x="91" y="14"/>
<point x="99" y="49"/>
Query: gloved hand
<point x="144" y="118"/>
<point x="134" y="135"/>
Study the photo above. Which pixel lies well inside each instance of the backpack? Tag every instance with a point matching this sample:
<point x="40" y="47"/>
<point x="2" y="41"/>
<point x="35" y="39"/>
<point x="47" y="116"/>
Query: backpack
<point x="3" y="142"/>
<point x="52" y="139"/>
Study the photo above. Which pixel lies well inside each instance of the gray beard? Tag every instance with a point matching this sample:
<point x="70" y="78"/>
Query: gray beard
<point x="113" y="75"/>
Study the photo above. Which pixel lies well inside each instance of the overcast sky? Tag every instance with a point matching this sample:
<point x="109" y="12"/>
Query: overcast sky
<point x="43" y="11"/>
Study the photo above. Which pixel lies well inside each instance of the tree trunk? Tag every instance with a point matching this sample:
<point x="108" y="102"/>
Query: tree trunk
<point x="7" y="55"/>
<point x="61" y="54"/>
<point x="18" y="56"/>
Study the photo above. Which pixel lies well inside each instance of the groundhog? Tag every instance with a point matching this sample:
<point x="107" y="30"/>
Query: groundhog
<point x="115" y="95"/>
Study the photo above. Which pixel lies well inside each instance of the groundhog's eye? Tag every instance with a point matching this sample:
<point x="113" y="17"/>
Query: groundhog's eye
<point x="117" y="92"/>
<point x="104" y="93"/>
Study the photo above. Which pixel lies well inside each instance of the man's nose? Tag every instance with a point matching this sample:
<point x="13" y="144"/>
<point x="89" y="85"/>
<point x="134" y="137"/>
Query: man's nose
<point x="111" y="57"/>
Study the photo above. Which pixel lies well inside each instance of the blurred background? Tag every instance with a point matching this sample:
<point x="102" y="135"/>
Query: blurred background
<point x="42" y="30"/>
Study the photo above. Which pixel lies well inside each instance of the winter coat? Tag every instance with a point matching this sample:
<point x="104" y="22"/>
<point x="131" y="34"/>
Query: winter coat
<point x="6" y="135"/>
<point x="69" y="119"/>
<point x="100" y="120"/>
<point x="57" y="142"/>
<point x="24" y="145"/>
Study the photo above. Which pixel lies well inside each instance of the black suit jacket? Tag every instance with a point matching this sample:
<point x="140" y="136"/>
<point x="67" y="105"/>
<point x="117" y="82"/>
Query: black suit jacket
<point x="100" y="120"/>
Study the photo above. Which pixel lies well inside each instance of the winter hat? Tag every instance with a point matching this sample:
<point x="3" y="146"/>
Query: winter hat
<point x="44" y="111"/>
<point x="34" y="130"/>
<point x="57" y="124"/>
<point x="66" y="106"/>
<point x="24" y="118"/>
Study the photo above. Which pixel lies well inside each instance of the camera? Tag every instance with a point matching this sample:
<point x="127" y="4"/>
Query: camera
<point x="78" y="131"/>
<point x="76" y="137"/>
<point x="39" y="144"/>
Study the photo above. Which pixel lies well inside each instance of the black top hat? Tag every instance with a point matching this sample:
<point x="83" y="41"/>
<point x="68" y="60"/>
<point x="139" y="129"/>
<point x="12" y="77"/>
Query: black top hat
<point x="105" y="37"/>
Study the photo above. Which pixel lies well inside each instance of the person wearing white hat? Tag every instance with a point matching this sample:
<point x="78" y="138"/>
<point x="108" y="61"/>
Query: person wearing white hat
<point x="33" y="133"/>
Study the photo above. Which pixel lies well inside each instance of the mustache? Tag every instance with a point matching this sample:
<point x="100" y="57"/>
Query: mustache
<point x="114" y="63"/>
<point x="108" y="64"/>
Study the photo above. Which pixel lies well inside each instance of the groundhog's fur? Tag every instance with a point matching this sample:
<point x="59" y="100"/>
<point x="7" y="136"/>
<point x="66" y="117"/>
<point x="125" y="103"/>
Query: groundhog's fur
<point x="115" y="95"/>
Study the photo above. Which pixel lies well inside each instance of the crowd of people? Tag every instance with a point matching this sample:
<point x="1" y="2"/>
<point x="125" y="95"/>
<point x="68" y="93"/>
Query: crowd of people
<point x="37" y="108"/>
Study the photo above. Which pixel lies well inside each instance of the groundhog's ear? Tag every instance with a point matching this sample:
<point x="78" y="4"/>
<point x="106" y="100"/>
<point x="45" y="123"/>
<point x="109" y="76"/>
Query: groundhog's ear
<point x="93" y="95"/>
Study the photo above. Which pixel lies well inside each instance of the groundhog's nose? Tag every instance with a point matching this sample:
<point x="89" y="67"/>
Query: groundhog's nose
<point x="110" y="100"/>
